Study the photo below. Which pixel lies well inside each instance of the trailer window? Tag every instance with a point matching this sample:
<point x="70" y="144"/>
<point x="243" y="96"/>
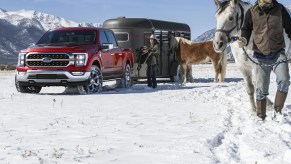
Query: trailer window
<point x="122" y="37"/>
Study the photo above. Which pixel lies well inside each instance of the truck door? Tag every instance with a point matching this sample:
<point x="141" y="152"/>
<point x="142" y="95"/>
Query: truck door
<point x="116" y="54"/>
<point x="106" y="57"/>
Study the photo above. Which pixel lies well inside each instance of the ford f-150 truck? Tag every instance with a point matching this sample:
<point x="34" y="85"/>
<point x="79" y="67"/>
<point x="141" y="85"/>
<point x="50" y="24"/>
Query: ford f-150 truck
<point x="74" y="57"/>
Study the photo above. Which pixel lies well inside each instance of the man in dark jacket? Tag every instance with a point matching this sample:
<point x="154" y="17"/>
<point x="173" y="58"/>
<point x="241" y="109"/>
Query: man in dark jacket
<point x="267" y="20"/>
<point x="152" y="61"/>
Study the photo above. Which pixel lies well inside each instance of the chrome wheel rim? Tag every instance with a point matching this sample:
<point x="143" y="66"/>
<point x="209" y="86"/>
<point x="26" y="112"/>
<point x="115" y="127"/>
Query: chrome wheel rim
<point x="95" y="81"/>
<point x="127" y="76"/>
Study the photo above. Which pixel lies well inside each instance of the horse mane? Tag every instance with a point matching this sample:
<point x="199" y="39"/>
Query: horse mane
<point x="222" y="7"/>
<point x="185" y="40"/>
<point x="225" y="4"/>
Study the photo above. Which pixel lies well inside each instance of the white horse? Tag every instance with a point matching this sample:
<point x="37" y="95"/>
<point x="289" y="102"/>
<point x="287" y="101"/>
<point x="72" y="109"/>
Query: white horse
<point x="229" y="17"/>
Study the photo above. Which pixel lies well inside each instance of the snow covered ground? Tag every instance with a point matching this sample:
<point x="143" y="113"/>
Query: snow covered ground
<point x="203" y="122"/>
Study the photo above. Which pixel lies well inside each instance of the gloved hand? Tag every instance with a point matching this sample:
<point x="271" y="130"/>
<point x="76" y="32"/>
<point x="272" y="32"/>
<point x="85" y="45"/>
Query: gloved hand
<point x="242" y="42"/>
<point x="144" y="50"/>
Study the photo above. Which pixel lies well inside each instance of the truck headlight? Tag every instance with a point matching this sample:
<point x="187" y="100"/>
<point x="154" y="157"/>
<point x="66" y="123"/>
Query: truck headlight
<point x="21" y="59"/>
<point x="80" y="59"/>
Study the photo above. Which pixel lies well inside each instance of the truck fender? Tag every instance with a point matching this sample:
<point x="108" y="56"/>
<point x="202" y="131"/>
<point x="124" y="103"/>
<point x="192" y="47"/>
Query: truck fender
<point x="95" y="61"/>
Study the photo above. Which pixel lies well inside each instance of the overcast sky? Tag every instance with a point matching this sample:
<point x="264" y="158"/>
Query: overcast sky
<point x="198" y="14"/>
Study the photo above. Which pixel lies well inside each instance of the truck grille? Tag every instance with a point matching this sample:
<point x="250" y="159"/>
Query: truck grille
<point x="48" y="60"/>
<point x="48" y="76"/>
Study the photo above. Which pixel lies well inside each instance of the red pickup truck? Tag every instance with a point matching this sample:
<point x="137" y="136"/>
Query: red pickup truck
<point x="74" y="57"/>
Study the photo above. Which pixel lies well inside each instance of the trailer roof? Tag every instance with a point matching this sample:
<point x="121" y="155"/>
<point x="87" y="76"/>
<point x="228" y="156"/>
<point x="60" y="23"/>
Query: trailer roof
<point x="123" y="22"/>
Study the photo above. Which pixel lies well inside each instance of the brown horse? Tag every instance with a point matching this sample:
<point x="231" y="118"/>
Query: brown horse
<point x="195" y="53"/>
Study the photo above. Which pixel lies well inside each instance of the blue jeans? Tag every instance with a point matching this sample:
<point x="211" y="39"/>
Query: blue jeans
<point x="281" y="71"/>
<point x="151" y="76"/>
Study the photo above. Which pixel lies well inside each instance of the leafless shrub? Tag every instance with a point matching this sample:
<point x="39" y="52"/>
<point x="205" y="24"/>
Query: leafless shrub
<point x="10" y="67"/>
<point x="2" y="67"/>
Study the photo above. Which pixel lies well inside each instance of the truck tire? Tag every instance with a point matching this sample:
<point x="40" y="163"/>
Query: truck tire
<point x="126" y="80"/>
<point x="94" y="82"/>
<point x="26" y="89"/>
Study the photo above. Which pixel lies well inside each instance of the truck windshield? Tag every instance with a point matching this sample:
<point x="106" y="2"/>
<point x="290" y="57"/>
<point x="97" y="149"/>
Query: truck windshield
<point x="60" y="37"/>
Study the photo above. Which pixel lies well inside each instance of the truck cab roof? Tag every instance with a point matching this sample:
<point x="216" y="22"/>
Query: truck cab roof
<point x="79" y="28"/>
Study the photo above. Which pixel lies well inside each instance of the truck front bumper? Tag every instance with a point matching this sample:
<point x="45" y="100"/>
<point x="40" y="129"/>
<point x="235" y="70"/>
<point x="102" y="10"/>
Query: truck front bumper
<point x="52" y="78"/>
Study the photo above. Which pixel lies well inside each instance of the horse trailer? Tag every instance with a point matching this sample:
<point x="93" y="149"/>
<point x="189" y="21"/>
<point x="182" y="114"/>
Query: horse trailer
<point x="134" y="33"/>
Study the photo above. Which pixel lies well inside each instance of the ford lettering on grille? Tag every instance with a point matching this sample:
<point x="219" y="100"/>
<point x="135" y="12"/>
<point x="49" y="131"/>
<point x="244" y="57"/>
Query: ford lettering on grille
<point x="47" y="60"/>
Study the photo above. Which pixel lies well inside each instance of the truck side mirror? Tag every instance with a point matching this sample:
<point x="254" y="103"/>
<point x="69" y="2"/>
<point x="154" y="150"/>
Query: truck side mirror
<point x="107" y="46"/>
<point x="32" y="45"/>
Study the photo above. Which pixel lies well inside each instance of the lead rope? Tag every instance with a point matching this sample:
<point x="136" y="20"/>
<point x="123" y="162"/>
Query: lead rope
<point x="259" y="64"/>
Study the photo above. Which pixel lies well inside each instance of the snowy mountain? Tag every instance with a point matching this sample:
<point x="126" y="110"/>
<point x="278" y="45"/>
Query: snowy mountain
<point x="208" y="35"/>
<point x="19" y="29"/>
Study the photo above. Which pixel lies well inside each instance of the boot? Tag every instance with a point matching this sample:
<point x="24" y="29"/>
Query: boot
<point x="261" y="108"/>
<point x="279" y="101"/>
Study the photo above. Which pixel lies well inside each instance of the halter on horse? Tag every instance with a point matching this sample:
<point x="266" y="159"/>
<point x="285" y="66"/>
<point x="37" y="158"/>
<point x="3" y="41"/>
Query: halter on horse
<point x="237" y="26"/>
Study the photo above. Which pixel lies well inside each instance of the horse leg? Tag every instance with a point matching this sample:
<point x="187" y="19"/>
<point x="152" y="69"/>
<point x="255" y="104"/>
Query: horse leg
<point x="223" y="63"/>
<point x="247" y="75"/>
<point x="189" y="67"/>
<point x="216" y="67"/>
<point x="184" y="71"/>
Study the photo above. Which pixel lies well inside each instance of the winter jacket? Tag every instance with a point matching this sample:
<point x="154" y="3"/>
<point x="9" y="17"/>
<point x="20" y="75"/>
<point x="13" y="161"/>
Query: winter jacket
<point x="154" y="53"/>
<point x="267" y="27"/>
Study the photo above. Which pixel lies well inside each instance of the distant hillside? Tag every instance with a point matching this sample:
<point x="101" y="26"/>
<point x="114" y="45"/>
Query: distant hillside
<point x="19" y="29"/>
<point x="208" y="35"/>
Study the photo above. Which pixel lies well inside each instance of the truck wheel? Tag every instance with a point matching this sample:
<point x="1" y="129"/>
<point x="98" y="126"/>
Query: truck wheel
<point x="126" y="80"/>
<point x="94" y="82"/>
<point x="33" y="89"/>
<point x="26" y="89"/>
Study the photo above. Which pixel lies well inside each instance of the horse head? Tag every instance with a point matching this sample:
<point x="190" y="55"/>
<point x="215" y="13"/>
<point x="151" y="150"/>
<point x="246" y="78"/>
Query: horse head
<point x="229" y="17"/>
